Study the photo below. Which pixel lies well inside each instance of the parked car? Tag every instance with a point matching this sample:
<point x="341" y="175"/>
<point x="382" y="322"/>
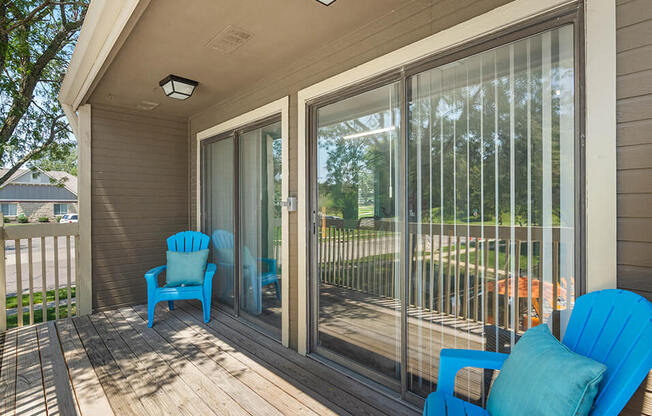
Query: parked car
<point x="69" y="219"/>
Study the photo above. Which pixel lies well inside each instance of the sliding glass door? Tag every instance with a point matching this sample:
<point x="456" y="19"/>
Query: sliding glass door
<point x="358" y="232"/>
<point x="241" y="195"/>
<point x="487" y="242"/>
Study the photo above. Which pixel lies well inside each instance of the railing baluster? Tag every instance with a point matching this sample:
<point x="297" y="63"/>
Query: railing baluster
<point x="476" y="279"/>
<point x="507" y="278"/>
<point x="448" y="276"/>
<point x="77" y="275"/>
<point x="44" y="288"/>
<point x="517" y="262"/>
<point x="357" y="260"/>
<point x="30" y="266"/>
<point x="56" y="276"/>
<point x="458" y="310"/>
<point x="349" y="260"/>
<point x="19" y="284"/>
<point x="467" y="281"/>
<point x="3" y="278"/>
<point x="68" y="276"/>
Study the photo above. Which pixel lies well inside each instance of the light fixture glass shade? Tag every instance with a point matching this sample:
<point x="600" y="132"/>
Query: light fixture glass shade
<point x="326" y="2"/>
<point x="178" y="87"/>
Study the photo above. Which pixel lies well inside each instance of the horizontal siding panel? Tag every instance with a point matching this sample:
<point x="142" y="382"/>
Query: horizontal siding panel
<point x="634" y="157"/>
<point x="635" y="181"/>
<point x="634" y="254"/>
<point x="634" y="85"/>
<point x="634" y="60"/>
<point x="635" y="229"/>
<point x="633" y="133"/>
<point x="634" y="36"/>
<point x="635" y="206"/>
<point x="635" y="277"/>
<point x="634" y="109"/>
<point x="635" y="11"/>
<point x="135" y="160"/>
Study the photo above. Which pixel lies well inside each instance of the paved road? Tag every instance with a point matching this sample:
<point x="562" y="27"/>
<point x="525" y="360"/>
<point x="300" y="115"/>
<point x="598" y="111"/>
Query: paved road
<point x="10" y="256"/>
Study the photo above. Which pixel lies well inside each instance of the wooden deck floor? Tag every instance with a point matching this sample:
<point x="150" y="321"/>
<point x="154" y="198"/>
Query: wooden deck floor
<point x="111" y="363"/>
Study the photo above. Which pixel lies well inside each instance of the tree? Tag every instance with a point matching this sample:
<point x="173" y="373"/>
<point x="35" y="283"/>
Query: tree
<point x="36" y="42"/>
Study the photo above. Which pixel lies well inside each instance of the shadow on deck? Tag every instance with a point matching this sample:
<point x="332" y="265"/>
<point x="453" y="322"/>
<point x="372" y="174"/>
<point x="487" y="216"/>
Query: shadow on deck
<point x="111" y="363"/>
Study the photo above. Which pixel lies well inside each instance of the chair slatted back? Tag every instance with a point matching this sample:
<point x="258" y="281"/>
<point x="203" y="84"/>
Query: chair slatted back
<point x="188" y="241"/>
<point x="613" y="327"/>
<point x="222" y="239"/>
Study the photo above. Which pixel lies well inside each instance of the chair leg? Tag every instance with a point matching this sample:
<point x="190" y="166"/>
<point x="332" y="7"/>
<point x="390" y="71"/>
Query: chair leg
<point x="150" y="314"/>
<point x="171" y="304"/>
<point x="206" y="306"/>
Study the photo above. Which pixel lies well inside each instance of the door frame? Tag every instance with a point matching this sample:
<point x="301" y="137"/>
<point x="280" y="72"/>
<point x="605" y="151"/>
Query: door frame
<point x="275" y="108"/>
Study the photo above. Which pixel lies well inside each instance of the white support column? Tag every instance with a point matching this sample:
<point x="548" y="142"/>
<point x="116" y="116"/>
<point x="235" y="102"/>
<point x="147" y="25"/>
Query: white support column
<point x="601" y="238"/>
<point x="84" y="262"/>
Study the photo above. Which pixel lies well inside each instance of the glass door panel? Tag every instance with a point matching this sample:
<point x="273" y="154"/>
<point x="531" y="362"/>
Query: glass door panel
<point x="218" y="220"/>
<point x="491" y="189"/>
<point x="260" y="180"/>
<point x="358" y="314"/>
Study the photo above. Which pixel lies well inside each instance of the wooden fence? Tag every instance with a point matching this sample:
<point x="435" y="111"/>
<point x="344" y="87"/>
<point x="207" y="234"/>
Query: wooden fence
<point x="57" y="290"/>
<point x="463" y="271"/>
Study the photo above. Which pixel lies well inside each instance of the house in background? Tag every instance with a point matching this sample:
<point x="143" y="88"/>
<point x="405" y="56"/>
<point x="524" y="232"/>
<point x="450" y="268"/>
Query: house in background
<point x="38" y="193"/>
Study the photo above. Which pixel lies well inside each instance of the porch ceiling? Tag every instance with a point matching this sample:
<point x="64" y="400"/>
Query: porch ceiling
<point x="171" y="37"/>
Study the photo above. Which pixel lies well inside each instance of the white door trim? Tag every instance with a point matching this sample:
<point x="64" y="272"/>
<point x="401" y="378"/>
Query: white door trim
<point x="281" y="107"/>
<point x="600" y="128"/>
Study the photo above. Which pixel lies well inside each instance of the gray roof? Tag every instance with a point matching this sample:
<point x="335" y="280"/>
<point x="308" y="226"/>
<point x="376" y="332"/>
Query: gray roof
<point x="69" y="181"/>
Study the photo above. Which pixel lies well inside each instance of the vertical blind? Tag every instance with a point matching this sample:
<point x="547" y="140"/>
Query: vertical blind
<point x="491" y="202"/>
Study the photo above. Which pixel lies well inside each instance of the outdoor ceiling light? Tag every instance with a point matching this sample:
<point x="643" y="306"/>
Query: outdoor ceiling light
<point x="178" y="87"/>
<point x="326" y="2"/>
<point x="370" y="132"/>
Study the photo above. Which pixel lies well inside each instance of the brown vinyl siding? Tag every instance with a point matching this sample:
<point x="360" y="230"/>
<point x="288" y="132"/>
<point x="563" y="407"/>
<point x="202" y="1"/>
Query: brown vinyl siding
<point x="139" y="185"/>
<point x="407" y="24"/>
<point x="634" y="141"/>
<point x="634" y="160"/>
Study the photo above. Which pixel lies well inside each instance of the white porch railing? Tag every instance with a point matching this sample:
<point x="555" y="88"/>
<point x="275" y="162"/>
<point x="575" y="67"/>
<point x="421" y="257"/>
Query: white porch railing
<point x="51" y="264"/>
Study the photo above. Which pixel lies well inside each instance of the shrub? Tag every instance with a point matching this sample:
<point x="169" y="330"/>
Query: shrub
<point x="23" y="219"/>
<point x="7" y="220"/>
<point x="43" y="219"/>
<point x="58" y="218"/>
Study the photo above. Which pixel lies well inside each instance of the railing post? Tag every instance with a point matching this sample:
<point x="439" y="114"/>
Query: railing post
<point x="83" y="259"/>
<point x="3" y="277"/>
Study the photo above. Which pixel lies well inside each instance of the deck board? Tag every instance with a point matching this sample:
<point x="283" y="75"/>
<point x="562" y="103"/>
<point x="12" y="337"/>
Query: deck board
<point x="8" y="374"/>
<point x="30" y="396"/>
<point x="111" y="363"/>
<point x="58" y="392"/>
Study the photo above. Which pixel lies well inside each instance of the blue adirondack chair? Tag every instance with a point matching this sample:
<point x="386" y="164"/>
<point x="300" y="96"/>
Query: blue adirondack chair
<point x="186" y="241"/>
<point x="255" y="279"/>
<point x="611" y="326"/>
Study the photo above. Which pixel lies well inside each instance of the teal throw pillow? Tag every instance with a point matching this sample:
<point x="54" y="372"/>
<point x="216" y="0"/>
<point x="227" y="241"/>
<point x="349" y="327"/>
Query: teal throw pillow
<point x="186" y="268"/>
<point x="544" y="377"/>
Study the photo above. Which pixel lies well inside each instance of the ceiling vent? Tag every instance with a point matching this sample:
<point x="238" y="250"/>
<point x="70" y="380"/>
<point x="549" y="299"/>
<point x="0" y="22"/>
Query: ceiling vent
<point x="230" y="39"/>
<point x="147" y="105"/>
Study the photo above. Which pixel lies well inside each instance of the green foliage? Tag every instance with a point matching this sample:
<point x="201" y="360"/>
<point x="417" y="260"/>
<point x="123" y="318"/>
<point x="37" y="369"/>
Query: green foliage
<point x="58" y="218"/>
<point x="23" y="219"/>
<point x="43" y="219"/>
<point x="36" y="44"/>
<point x="7" y="220"/>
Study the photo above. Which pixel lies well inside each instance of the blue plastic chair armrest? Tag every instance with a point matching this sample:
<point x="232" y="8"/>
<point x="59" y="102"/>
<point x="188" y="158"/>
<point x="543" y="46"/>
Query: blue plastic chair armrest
<point x="210" y="271"/>
<point x="451" y="361"/>
<point x="152" y="274"/>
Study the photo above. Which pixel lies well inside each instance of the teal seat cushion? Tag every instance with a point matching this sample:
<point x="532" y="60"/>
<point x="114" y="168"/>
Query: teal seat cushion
<point x="186" y="268"/>
<point x="543" y="377"/>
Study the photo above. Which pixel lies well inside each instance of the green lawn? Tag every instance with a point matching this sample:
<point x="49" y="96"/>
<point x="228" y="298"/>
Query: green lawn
<point x="12" y="320"/>
<point x="38" y="297"/>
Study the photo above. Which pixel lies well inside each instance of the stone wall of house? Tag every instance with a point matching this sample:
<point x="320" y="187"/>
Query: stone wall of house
<point x="36" y="210"/>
